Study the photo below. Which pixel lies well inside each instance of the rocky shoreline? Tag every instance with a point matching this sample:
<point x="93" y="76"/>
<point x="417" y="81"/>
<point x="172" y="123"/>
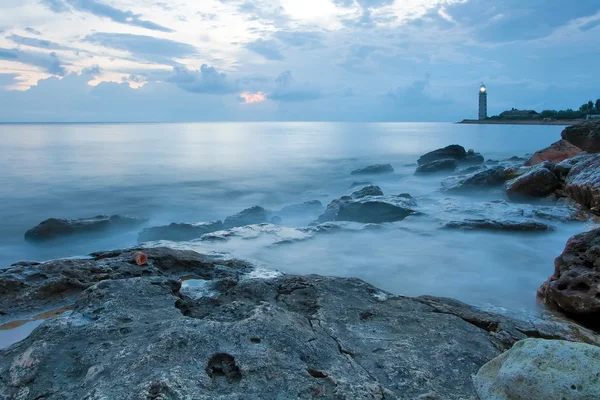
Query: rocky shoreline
<point x="177" y="324"/>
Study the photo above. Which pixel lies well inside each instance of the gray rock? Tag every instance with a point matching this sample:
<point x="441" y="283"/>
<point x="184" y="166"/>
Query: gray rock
<point x="374" y="169"/>
<point x="453" y="151"/>
<point x="179" y="231"/>
<point x="472" y="159"/>
<point x="582" y="184"/>
<point x="539" y="181"/>
<point x="470" y="170"/>
<point x="55" y="228"/>
<point x="538" y="369"/>
<point x="369" y="209"/>
<point x="306" y="207"/>
<point x="489" y="177"/>
<point x="283" y="338"/>
<point x="252" y="215"/>
<point x="586" y="136"/>
<point x="357" y="184"/>
<point x="498" y="225"/>
<point x="367" y="191"/>
<point x="446" y="164"/>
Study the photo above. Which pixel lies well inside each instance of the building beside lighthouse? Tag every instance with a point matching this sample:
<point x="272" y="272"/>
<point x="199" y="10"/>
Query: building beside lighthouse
<point x="482" y="102"/>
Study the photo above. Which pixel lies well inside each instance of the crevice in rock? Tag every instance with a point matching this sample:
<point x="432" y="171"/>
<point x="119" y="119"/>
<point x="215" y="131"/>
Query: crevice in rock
<point x="223" y="364"/>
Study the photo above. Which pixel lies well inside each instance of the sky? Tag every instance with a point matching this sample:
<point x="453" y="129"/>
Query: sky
<point x="293" y="60"/>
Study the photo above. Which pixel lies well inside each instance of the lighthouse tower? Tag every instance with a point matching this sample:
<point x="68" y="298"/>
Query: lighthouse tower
<point x="482" y="102"/>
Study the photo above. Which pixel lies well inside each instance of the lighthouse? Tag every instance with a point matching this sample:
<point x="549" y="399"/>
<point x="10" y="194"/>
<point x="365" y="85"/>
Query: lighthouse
<point x="482" y="102"/>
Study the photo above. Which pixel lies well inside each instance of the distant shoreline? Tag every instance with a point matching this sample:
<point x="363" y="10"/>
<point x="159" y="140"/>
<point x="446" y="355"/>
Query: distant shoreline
<point x="520" y="122"/>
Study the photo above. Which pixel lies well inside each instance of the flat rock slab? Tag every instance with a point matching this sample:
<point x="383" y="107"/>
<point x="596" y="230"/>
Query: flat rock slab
<point x="55" y="228"/>
<point x="374" y="169"/>
<point x="538" y="369"/>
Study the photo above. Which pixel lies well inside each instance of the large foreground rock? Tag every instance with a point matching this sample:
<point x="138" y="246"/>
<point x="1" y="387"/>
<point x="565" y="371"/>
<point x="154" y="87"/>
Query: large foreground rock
<point x="55" y="228"/>
<point x="574" y="288"/>
<point x="154" y="337"/>
<point x="586" y="136"/>
<point x="540" y="181"/>
<point x="583" y="183"/>
<point x="374" y="169"/>
<point x="538" y="369"/>
<point x="556" y="152"/>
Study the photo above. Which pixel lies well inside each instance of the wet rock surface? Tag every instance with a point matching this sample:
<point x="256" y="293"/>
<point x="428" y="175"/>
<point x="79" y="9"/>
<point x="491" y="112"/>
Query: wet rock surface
<point x="303" y="208"/>
<point x="367" y="191"/>
<point x="556" y="152"/>
<point x="498" y="225"/>
<point x="454" y="152"/>
<point x="574" y="288"/>
<point x="486" y="178"/>
<point x="582" y="183"/>
<point x="374" y="169"/>
<point x="586" y="136"/>
<point x="252" y="215"/>
<point x="55" y="228"/>
<point x="538" y="369"/>
<point x="288" y="337"/>
<point x="540" y="181"/>
<point x="446" y="164"/>
<point x="179" y="231"/>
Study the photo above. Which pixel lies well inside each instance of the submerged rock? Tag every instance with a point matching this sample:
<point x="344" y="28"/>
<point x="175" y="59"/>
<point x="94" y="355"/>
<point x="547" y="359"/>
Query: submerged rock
<point x="539" y="181"/>
<point x="374" y="169"/>
<point x="454" y="152"/>
<point x="489" y="177"/>
<point x="582" y="183"/>
<point x="179" y="231"/>
<point x="287" y="337"/>
<point x="54" y="228"/>
<point x="498" y="225"/>
<point x="308" y="207"/>
<point x="539" y="369"/>
<point x="367" y="191"/>
<point x="252" y="215"/>
<point x="369" y="208"/>
<point x="446" y="164"/>
<point x="556" y="152"/>
<point x="574" y="288"/>
<point x="586" y="136"/>
<point x="357" y="184"/>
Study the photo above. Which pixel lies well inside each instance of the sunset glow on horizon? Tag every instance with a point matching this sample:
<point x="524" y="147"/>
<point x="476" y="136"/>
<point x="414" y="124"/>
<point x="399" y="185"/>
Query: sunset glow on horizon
<point x="250" y="98"/>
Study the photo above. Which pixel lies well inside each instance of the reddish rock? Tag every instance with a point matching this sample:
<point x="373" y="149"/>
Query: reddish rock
<point x="556" y="153"/>
<point x="575" y="286"/>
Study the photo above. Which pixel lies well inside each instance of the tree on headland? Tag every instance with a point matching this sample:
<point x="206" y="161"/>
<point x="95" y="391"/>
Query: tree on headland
<point x="590" y="105"/>
<point x="598" y="105"/>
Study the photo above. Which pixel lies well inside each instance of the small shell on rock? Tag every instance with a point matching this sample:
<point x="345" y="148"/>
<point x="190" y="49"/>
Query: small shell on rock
<point x="140" y="258"/>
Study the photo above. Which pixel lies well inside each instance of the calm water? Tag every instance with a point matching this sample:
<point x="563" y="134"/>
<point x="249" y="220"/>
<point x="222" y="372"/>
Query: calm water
<point x="200" y="172"/>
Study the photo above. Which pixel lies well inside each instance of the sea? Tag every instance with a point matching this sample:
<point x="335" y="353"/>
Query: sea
<point x="194" y="172"/>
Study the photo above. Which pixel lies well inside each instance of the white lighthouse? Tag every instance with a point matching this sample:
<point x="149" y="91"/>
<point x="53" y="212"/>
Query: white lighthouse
<point x="482" y="102"/>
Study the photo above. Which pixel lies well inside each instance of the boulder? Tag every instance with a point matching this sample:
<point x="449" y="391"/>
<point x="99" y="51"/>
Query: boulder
<point x="489" y="177"/>
<point x="367" y="191"/>
<point x="475" y="158"/>
<point x="539" y="181"/>
<point x="357" y="184"/>
<point x="574" y="288"/>
<point x="250" y="216"/>
<point x="55" y="228"/>
<point x="179" y="231"/>
<point x="454" y="152"/>
<point x="540" y="369"/>
<point x="555" y="153"/>
<point x="498" y="225"/>
<point x="151" y="335"/>
<point x="586" y="136"/>
<point x="582" y="183"/>
<point x="305" y="208"/>
<point x="369" y="209"/>
<point x="446" y="164"/>
<point x="374" y="169"/>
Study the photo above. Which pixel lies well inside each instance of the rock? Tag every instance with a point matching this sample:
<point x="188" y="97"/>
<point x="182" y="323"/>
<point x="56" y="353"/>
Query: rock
<point x="265" y="232"/>
<point x="250" y="216"/>
<point x="453" y="151"/>
<point x="55" y="228"/>
<point x="498" y="225"/>
<point x="586" y="136"/>
<point x="472" y="159"/>
<point x="357" y="184"/>
<point x="574" y="288"/>
<point x="446" y="164"/>
<point x="304" y="208"/>
<point x="492" y="162"/>
<point x="368" y="209"/>
<point x="470" y="170"/>
<point x="179" y="231"/>
<point x="582" y="183"/>
<point x="374" y="169"/>
<point x="283" y="338"/>
<point x="276" y="220"/>
<point x="367" y="191"/>
<point x="516" y="159"/>
<point x="487" y="178"/>
<point x="539" y="181"/>
<point x="539" y="369"/>
<point x="556" y="152"/>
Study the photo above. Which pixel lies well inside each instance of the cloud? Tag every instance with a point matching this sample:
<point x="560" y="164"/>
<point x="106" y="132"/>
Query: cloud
<point x="206" y="80"/>
<point x="40" y="43"/>
<point x="47" y="62"/>
<point x="250" y="98"/>
<point x="307" y="39"/>
<point x="33" y="31"/>
<point x="287" y="90"/>
<point x="102" y="10"/>
<point x="266" y="48"/>
<point x="156" y="50"/>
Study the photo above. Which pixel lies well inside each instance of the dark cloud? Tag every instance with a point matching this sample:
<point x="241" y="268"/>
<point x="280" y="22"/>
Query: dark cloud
<point x="305" y="39"/>
<point x="48" y="62"/>
<point x="206" y="80"/>
<point x="287" y="90"/>
<point x="152" y="49"/>
<point x="266" y="48"/>
<point x="35" y="42"/>
<point x="33" y="31"/>
<point x="100" y="9"/>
